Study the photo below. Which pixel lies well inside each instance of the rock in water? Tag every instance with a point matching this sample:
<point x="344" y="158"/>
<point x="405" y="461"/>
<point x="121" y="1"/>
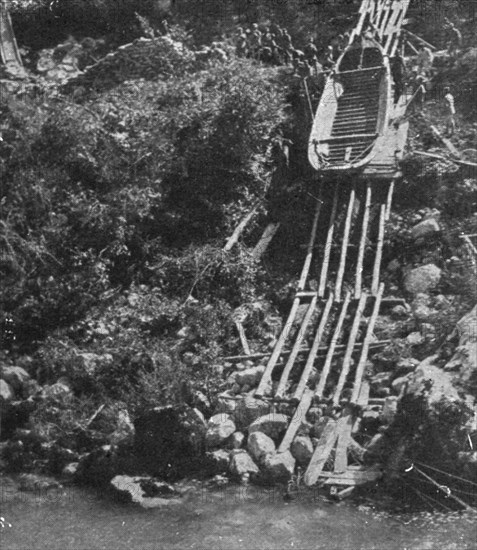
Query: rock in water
<point x="302" y="449"/>
<point x="279" y="466"/>
<point x="219" y="429"/>
<point x="271" y="424"/>
<point x="145" y="491"/>
<point x="422" y="279"/>
<point x="241" y="464"/>
<point x="259" y="446"/>
<point x="170" y="442"/>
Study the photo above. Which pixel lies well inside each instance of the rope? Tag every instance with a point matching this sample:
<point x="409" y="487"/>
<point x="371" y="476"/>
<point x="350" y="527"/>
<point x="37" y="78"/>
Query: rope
<point x="427" y="498"/>
<point x="447" y="474"/>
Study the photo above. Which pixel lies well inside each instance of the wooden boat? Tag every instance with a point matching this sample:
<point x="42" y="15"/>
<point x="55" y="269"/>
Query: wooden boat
<point x="354" y="109"/>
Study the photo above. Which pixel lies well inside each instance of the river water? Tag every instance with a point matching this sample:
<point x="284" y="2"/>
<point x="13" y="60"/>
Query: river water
<point x="237" y="517"/>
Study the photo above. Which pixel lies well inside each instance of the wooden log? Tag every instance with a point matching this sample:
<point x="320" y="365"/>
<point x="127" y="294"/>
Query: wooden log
<point x="321" y="350"/>
<point x="329" y="356"/>
<point x="314" y="350"/>
<point x="311" y="244"/>
<point x="296" y="421"/>
<point x="379" y="251"/>
<point x="344" y="246"/>
<point x="447" y="142"/>
<point x="243" y="338"/>
<point x="420" y="40"/>
<point x="348" y="354"/>
<point x="265" y="240"/>
<point x="296" y="348"/>
<point x="321" y="453"/>
<point x="267" y="375"/>
<point x="329" y="239"/>
<point x="239" y="229"/>
<point x="364" y="351"/>
<point x="362" y="243"/>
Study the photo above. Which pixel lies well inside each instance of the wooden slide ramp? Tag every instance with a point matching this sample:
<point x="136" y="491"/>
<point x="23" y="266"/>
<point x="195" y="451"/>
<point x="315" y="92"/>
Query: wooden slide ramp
<point x="8" y="46"/>
<point x="337" y="316"/>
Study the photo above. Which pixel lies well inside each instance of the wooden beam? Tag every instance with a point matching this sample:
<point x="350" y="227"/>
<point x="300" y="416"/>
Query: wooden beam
<point x="351" y="477"/>
<point x="243" y="338"/>
<point x="329" y="239"/>
<point x="296" y="348"/>
<point x="389" y="199"/>
<point x="344" y="245"/>
<point x="239" y="229"/>
<point x="265" y="240"/>
<point x="311" y="243"/>
<point x="344" y="435"/>
<point x="296" y="421"/>
<point x="321" y="453"/>
<point x="329" y="356"/>
<point x="314" y="350"/>
<point x="349" y="351"/>
<point x="379" y="250"/>
<point x="367" y="340"/>
<point x="362" y="243"/>
<point x="267" y="375"/>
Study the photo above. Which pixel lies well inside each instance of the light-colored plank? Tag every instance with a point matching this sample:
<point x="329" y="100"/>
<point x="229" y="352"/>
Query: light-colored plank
<point x="239" y="229"/>
<point x="379" y="250"/>
<point x="322" y="452"/>
<point x="296" y="421"/>
<point x="351" y="478"/>
<point x="345" y="423"/>
<point x="265" y="240"/>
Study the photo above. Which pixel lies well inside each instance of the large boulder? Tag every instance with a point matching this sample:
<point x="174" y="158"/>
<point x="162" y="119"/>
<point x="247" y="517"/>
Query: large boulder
<point x="249" y="409"/>
<point x="145" y="491"/>
<point x="302" y="449"/>
<point x="170" y="441"/>
<point x="273" y="425"/>
<point x="425" y="229"/>
<point x="433" y="382"/>
<point x="16" y="377"/>
<point x="259" y="446"/>
<point x="279" y="466"/>
<point x="250" y="377"/>
<point x="219" y="429"/>
<point x="242" y="464"/>
<point x="6" y="393"/>
<point x="422" y="279"/>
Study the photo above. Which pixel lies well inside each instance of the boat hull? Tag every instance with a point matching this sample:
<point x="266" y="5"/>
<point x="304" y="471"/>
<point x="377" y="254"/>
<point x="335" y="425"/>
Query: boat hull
<point x="353" y="111"/>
